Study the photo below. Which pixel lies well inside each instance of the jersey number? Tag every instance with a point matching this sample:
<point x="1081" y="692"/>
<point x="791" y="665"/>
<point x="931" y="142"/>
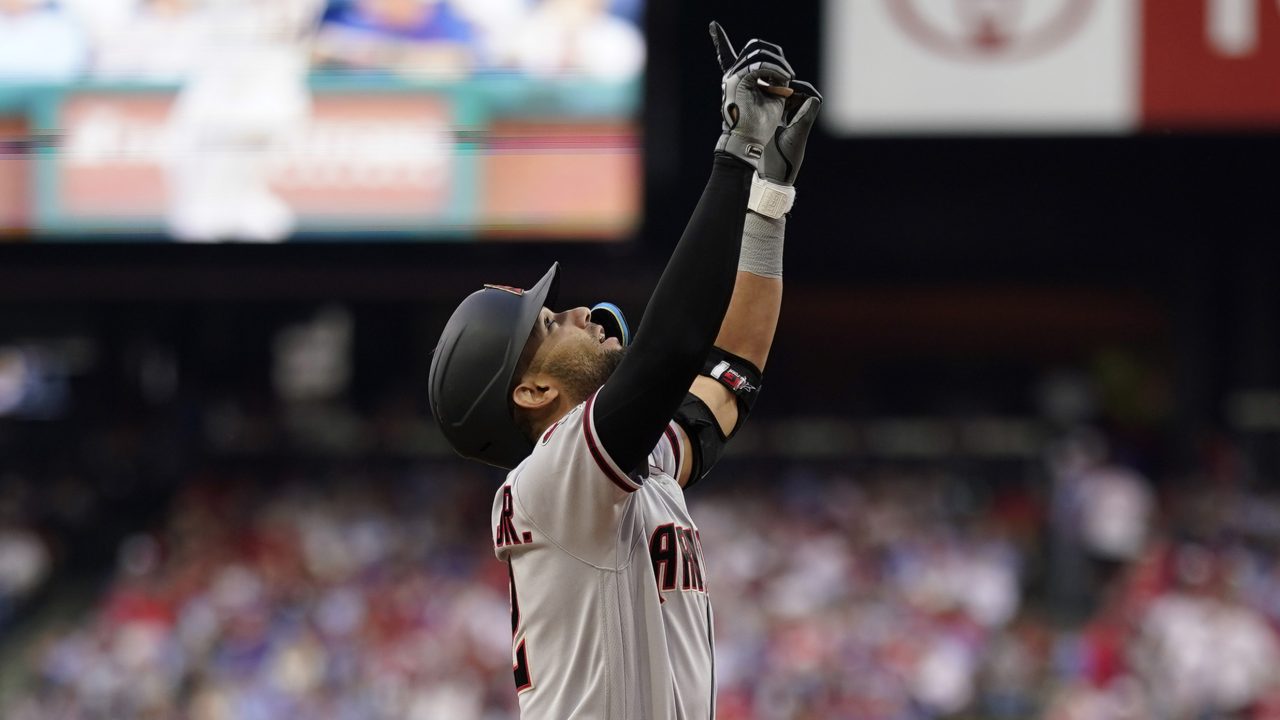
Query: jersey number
<point x="521" y="666"/>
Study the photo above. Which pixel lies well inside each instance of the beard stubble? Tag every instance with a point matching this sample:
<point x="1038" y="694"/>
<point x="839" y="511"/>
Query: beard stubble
<point x="583" y="368"/>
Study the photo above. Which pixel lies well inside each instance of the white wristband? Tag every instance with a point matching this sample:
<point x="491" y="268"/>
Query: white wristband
<point x="769" y="199"/>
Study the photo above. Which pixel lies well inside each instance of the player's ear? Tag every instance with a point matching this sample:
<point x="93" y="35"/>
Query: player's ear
<point x="532" y="395"/>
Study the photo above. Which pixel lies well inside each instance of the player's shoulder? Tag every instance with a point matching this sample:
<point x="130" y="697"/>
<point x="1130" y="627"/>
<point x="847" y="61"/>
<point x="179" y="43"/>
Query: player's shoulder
<point x="571" y="446"/>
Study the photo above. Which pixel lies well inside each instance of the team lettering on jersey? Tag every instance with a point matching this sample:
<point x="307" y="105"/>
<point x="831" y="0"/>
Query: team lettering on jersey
<point x="505" y="533"/>
<point x="676" y="550"/>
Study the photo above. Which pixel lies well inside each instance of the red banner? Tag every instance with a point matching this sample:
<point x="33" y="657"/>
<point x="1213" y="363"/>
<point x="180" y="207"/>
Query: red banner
<point x="1211" y="63"/>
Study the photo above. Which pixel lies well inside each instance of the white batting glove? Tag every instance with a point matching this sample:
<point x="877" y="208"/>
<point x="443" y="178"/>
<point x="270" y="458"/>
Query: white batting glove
<point x="753" y="90"/>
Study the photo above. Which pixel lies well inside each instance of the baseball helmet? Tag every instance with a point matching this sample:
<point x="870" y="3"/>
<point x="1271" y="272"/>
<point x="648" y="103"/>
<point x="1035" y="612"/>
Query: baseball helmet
<point x="474" y="364"/>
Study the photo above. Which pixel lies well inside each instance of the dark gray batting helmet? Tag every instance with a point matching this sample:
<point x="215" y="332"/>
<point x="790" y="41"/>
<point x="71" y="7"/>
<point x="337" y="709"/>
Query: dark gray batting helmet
<point x="474" y="365"/>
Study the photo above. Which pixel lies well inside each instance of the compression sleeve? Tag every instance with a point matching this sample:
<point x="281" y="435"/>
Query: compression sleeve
<point x="680" y="323"/>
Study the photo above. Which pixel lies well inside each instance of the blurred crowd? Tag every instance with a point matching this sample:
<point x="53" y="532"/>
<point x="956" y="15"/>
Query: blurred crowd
<point x="864" y="592"/>
<point x="899" y="594"/>
<point x="60" y="516"/>
<point x="357" y="599"/>
<point x="51" y="41"/>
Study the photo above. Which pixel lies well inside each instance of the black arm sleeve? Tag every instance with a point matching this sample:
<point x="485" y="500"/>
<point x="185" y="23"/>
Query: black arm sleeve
<point x="680" y="323"/>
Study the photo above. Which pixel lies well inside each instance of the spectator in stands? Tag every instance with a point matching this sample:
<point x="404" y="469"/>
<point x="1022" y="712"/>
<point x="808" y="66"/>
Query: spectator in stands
<point x="580" y="37"/>
<point x="1211" y="655"/>
<point x="38" y="43"/>
<point x="24" y="564"/>
<point x="1102" y="516"/>
<point x="497" y="25"/>
<point x="160" y="40"/>
<point x="411" y="37"/>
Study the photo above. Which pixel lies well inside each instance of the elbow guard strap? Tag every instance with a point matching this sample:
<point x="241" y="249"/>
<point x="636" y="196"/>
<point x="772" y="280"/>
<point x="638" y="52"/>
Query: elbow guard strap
<point x="738" y="376"/>
<point x="706" y="442"/>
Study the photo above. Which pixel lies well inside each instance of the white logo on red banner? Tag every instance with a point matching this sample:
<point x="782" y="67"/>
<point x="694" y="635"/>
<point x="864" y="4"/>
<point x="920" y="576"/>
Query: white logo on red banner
<point x="991" y="30"/>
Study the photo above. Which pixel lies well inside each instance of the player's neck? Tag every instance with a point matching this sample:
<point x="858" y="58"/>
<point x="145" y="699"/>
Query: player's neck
<point x="553" y="413"/>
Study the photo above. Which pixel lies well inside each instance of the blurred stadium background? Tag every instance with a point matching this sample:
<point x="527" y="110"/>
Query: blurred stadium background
<point x="1018" y="455"/>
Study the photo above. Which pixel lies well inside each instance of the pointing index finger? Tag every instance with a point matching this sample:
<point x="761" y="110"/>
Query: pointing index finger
<point x="724" y="49"/>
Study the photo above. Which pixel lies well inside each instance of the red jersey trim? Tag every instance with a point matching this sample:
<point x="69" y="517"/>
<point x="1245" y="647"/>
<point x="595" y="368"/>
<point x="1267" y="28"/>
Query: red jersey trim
<point x="674" y="439"/>
<point x="597" y="453"/>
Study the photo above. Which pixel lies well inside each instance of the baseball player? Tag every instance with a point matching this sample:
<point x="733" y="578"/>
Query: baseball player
<point x="610" y="612"/>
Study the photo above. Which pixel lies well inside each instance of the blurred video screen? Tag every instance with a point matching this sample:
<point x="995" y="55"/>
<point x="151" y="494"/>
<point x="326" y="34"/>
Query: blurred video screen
<point x="272" y="120"/>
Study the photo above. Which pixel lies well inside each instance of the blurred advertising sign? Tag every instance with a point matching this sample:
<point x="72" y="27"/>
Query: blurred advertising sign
<point x="579" y="179"/>
<point x="1050" y="65"/>
<point x="360" y="158"/>
<point x="415" y="163"/>
<point x="981" y="65"/>
<point x="13" y="174"/>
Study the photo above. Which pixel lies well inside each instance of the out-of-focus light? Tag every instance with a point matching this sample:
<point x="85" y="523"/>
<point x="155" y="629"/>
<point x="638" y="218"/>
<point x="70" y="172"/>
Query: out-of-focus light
<point x="312" y="360"/>
<point x="13" y="379"/>
<point x="34" y="375"/>
<point x="1255" y="410"/>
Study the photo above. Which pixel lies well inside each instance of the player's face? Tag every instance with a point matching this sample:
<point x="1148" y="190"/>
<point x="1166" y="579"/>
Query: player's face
<point x="573" y="326"/>
<point x="574" y="350"/>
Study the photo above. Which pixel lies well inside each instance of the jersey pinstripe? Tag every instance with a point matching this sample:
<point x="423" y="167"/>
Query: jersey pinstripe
<point x="610" y="614"/>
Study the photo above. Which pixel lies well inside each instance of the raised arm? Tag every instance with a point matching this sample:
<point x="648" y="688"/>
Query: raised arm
<point x="717" y="406"/>
<point x="688" y="305"/>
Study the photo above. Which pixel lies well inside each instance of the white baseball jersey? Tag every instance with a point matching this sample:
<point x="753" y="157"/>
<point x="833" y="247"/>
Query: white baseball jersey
<point x="609" y="607"/>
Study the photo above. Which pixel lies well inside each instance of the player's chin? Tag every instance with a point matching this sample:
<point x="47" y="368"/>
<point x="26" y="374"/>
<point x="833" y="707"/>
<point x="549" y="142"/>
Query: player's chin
<point x="611" y="356"/>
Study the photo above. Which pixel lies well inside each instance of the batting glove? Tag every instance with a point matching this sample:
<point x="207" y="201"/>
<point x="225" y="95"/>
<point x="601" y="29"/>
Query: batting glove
<point x="782" y="157"/>
<point x="753" y="95"/>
